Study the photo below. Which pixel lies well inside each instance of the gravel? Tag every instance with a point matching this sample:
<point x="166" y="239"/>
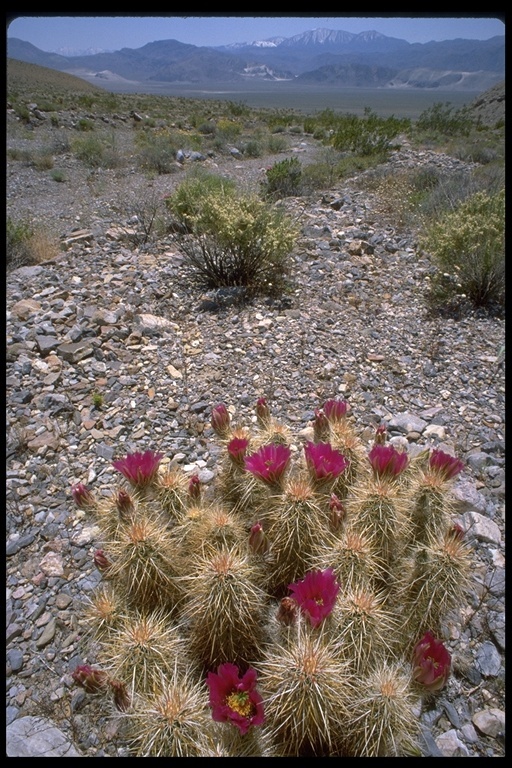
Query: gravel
<point x="111" y="315"/>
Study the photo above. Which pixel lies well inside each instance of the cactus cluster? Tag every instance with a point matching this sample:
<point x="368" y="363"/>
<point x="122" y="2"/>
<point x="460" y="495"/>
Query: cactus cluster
<point x="294" y="607"/>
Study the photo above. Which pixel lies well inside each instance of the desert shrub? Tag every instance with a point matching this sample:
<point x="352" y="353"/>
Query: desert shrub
<point x="43" y="160"/>
<point x="442" y="118"/>
<point x="276" y="144"/>
<point x="228" y="130"/>
<point x="468" y="248"/>
<point x="157" y="153"/>
<point x="58" y="175"/>
<point x="238" y="108"/>
<point x="252" y="148"/>
<point x="97" y="151"/>
<point x="84" y="124"/>
<point x="238" y="241"/>
<point x="188" y="198"/>
<point x="27" y="244"/>
<point x="368" y="135"/>
<point x="283" y="179"/>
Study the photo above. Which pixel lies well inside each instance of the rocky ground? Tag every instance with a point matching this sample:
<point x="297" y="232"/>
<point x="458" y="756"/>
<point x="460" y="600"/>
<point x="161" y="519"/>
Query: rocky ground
<point x="111" y="315"/>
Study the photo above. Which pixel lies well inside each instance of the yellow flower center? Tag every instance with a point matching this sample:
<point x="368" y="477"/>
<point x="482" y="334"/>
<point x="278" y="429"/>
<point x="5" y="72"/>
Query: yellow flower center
<point x="239" y="702"/>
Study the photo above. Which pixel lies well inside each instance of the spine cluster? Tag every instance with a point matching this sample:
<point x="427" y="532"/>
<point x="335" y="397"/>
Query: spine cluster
<point x="295" y="607"/>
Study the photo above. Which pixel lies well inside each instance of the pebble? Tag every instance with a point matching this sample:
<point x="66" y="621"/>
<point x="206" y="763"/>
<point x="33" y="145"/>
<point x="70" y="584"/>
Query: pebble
<point x="101" y="318"/>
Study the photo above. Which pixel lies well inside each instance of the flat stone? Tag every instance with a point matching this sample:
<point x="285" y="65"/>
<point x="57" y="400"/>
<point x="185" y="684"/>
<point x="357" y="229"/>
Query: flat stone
<point x="37" y="737"/>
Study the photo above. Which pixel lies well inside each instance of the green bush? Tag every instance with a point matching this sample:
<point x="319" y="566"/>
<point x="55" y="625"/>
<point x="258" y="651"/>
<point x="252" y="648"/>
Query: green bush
<point x="252" y="148"/>
<point x="283" y="179"/>
<point x="276" y="143"/>
<point x="97" y="151"/>
<point x="157" y="153"/>
<point x="444" y="119"/>
<point x="369" y="135"/>
<point x="187" y="200"/>
<point x="468" y="247"/>
<point x="27" y="244"/>
<point x="238" y="241"/>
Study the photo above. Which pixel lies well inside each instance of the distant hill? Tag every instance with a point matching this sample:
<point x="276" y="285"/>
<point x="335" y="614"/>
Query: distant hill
<point x="25" y="77"/>
<point x="331" y="57"/>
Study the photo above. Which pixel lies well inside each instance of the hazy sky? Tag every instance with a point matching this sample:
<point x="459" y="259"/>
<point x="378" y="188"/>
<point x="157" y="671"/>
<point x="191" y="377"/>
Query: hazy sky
<point x="51" y="32"/>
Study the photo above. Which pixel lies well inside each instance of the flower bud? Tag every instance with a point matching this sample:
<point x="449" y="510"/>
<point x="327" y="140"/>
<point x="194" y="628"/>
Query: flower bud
<point x="83" y="498"/>
<point x="90" y="679"/>
<point x="262" y="412"/>
<point x="320" y="426"/>
<point x="220" y="420"/>
<point x="101" y="561"/>
<point x="258" y="542"/>
<point x="120" y="693"/>
<point x="194" y="488"/>
<point x="124" y="504"/>
<point x="338" y="512"/>
<point x="287" y="611"/>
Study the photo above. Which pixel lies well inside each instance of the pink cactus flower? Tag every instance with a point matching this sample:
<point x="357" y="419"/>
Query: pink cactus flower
<point x="221" y="420"/>
<point x="234" y="699"/>
<point x="316" y="594"/>
<point x="386" y="461"/>
<point x="237" y="449"/>
<point x="269" y="463"/>
<point x="140" y="469"/>
<point x="335" y="410"/>
<point x="444" y="465"/>
<point x="431" y="663"/>
<point x="324" y="462"/>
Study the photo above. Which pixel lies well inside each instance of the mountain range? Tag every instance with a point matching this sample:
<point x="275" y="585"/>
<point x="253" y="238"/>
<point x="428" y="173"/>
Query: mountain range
<point x="321" y="56"/>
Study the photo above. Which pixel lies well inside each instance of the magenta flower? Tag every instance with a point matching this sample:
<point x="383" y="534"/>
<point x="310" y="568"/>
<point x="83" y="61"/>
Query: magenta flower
<point x="444" y="465"/>
<point x="386" y="461"/>
<point x="221" y="420"/>
<point x="90" y="679"/>
<point x="140" y="469"/>
<point x="234" y="699"/>
<point x="262" y="412"/>
<point x="237" y="449"/>
<point x="82" y="497"/>
<point x="335" y="410"/>
<point x="269" y="463"/>
<point x="320" y="425"/>
<point x="324" y="462"/>
<point x="316" y="594"/>
<point x="431" y="663"/>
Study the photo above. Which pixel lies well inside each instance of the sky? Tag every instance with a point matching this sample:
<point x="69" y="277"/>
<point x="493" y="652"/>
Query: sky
<point x="50" y="31"/>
